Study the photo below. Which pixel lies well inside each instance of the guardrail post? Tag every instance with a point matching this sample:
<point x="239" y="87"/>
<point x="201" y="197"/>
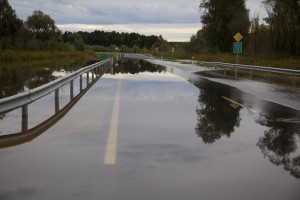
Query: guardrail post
<point x="56" y="100"/>
<point x="269" y="77"/>
<point x="87" y="78"/>
<point x="80" y="83"/>
<point x="225" y="71"/>
<point x="93" y="74"/>
<point x="250" y="74"/>
<point x="24" y="118"/>
<point x="236" y="72"/>
<point x="71" y="90"/>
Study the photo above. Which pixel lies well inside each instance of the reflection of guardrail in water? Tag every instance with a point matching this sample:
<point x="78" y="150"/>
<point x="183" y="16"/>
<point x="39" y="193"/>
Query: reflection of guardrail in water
<point x="19" y="100"/>
<point x="22" y="100"/>
<point x="252" y="68"/>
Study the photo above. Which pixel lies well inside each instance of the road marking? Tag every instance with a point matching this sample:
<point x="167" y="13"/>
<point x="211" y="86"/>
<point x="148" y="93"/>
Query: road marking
<point x="111" y="145"/>
<point x="239" y="104"/>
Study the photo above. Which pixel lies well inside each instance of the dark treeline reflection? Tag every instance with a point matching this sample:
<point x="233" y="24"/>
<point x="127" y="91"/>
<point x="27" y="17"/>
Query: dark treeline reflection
<point x="15" y="80"/>
<point x="216" y="117"/>
<point x="134" y="66"/>
<point x="279" y="143"/>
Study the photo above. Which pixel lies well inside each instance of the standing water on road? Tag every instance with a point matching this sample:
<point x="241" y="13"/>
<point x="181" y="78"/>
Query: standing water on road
<point x="144" y="131"/>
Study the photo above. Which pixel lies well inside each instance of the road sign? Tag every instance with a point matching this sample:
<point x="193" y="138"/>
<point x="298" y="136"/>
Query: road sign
<point x="103" y="57"/>
<point x="237" y="47"/>
<point x="238" y="37"/>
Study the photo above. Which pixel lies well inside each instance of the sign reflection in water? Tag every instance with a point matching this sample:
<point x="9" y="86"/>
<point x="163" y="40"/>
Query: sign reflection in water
<point x="218" y="118"/>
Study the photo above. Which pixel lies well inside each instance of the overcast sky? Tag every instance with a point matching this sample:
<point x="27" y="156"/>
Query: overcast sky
<point x="175" y="20"/>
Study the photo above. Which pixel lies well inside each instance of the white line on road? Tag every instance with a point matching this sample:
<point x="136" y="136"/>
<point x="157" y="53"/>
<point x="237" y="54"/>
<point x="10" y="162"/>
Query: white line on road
<point x="111" y="146"/>
<point x="239" y="104"/>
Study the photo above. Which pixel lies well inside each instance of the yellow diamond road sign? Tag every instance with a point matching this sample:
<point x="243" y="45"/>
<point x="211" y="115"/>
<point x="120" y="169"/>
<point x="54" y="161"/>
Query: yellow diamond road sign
<point x="238" y="37"/>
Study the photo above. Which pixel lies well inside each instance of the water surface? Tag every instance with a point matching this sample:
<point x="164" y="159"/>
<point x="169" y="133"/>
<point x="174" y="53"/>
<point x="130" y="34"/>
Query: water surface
<point x="179" y="137"/>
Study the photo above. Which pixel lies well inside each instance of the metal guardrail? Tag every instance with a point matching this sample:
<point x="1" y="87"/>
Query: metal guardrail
<point x="27" y="135"/>
<point x="19" y="100"/>
<point x="255" y="68"/>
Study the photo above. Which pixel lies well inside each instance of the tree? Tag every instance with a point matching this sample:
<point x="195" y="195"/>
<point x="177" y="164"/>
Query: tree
<point x="196" y="43"/>
<point x="284" y="25"/>
<point x="9" y="23"/>
<point x="41" y="25"/>
<point x="222" y="20"/>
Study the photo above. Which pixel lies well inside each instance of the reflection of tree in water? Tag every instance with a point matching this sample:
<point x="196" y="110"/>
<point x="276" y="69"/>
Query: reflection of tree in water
<point x="15" y="79"/>
<point x="279" y="143"/>
<point x="40" y="77"/>
<point x="11" y="82"/>
<point x="133" y="66"/>
<point x="215" y="117"/>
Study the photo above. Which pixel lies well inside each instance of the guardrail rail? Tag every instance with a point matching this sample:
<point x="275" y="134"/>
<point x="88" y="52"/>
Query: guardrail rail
<point x="25" y="98"/>
<point x="252" y="67"/>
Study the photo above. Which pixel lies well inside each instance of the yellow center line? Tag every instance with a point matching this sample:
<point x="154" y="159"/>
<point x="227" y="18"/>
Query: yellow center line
<point x="111" y="146"/>
<point x="244" y="106"/>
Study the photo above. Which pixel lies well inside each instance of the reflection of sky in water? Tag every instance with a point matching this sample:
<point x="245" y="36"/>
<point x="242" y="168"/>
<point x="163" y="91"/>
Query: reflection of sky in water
<point x="159" y="155"/>
<point x="155" y="86"/>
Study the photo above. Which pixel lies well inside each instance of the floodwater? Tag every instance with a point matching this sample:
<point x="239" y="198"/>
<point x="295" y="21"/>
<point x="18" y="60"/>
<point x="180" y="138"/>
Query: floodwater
<point x="17" y="79"/>
<point x="175" y="135"/>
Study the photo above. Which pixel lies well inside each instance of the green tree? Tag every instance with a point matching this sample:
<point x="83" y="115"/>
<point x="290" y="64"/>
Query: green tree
<point x="9" y="25"/>
<point x="41" y="25"/>
<point x="222" y="20"/>
<point x="284" y="25"/>
<point x="196" y="43"/>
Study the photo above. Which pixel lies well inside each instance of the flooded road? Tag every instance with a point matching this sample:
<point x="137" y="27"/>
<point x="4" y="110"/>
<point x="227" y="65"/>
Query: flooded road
<point x="145" y="131"/>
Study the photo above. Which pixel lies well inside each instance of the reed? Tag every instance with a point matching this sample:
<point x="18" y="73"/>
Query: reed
<point x="25" y="58"/>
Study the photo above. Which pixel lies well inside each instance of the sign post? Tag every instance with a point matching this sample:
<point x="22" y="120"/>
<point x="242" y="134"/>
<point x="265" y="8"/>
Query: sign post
<point x="173" y="51"/>
<point x="238" y="46"/>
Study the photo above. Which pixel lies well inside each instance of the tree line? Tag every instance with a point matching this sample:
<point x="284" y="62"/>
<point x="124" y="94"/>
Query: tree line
<point x="278" y="33"/>
<point x="39" y="32"/>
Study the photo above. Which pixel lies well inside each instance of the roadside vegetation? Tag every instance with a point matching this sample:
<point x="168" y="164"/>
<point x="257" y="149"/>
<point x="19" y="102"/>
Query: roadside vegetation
<point x="38" y="39"/>
<point x="273" y="41"/>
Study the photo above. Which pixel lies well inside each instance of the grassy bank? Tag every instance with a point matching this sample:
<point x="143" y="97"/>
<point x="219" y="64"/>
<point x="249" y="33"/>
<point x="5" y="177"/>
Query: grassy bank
<point x="268" y="61"/>
<point x="32" y="58"/>
<point x="279" y="61"/>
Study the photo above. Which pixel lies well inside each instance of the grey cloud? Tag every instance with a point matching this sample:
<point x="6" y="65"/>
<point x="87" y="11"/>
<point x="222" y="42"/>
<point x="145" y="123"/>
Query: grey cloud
<point x="129" y="13"/>
<point x="113" y="11"/>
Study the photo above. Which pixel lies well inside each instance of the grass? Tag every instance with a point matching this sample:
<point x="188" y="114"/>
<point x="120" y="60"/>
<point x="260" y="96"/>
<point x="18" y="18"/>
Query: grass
<point x="35" y="58"/>
<point x="267" y="61"/>
<point x="277" y="61"/>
